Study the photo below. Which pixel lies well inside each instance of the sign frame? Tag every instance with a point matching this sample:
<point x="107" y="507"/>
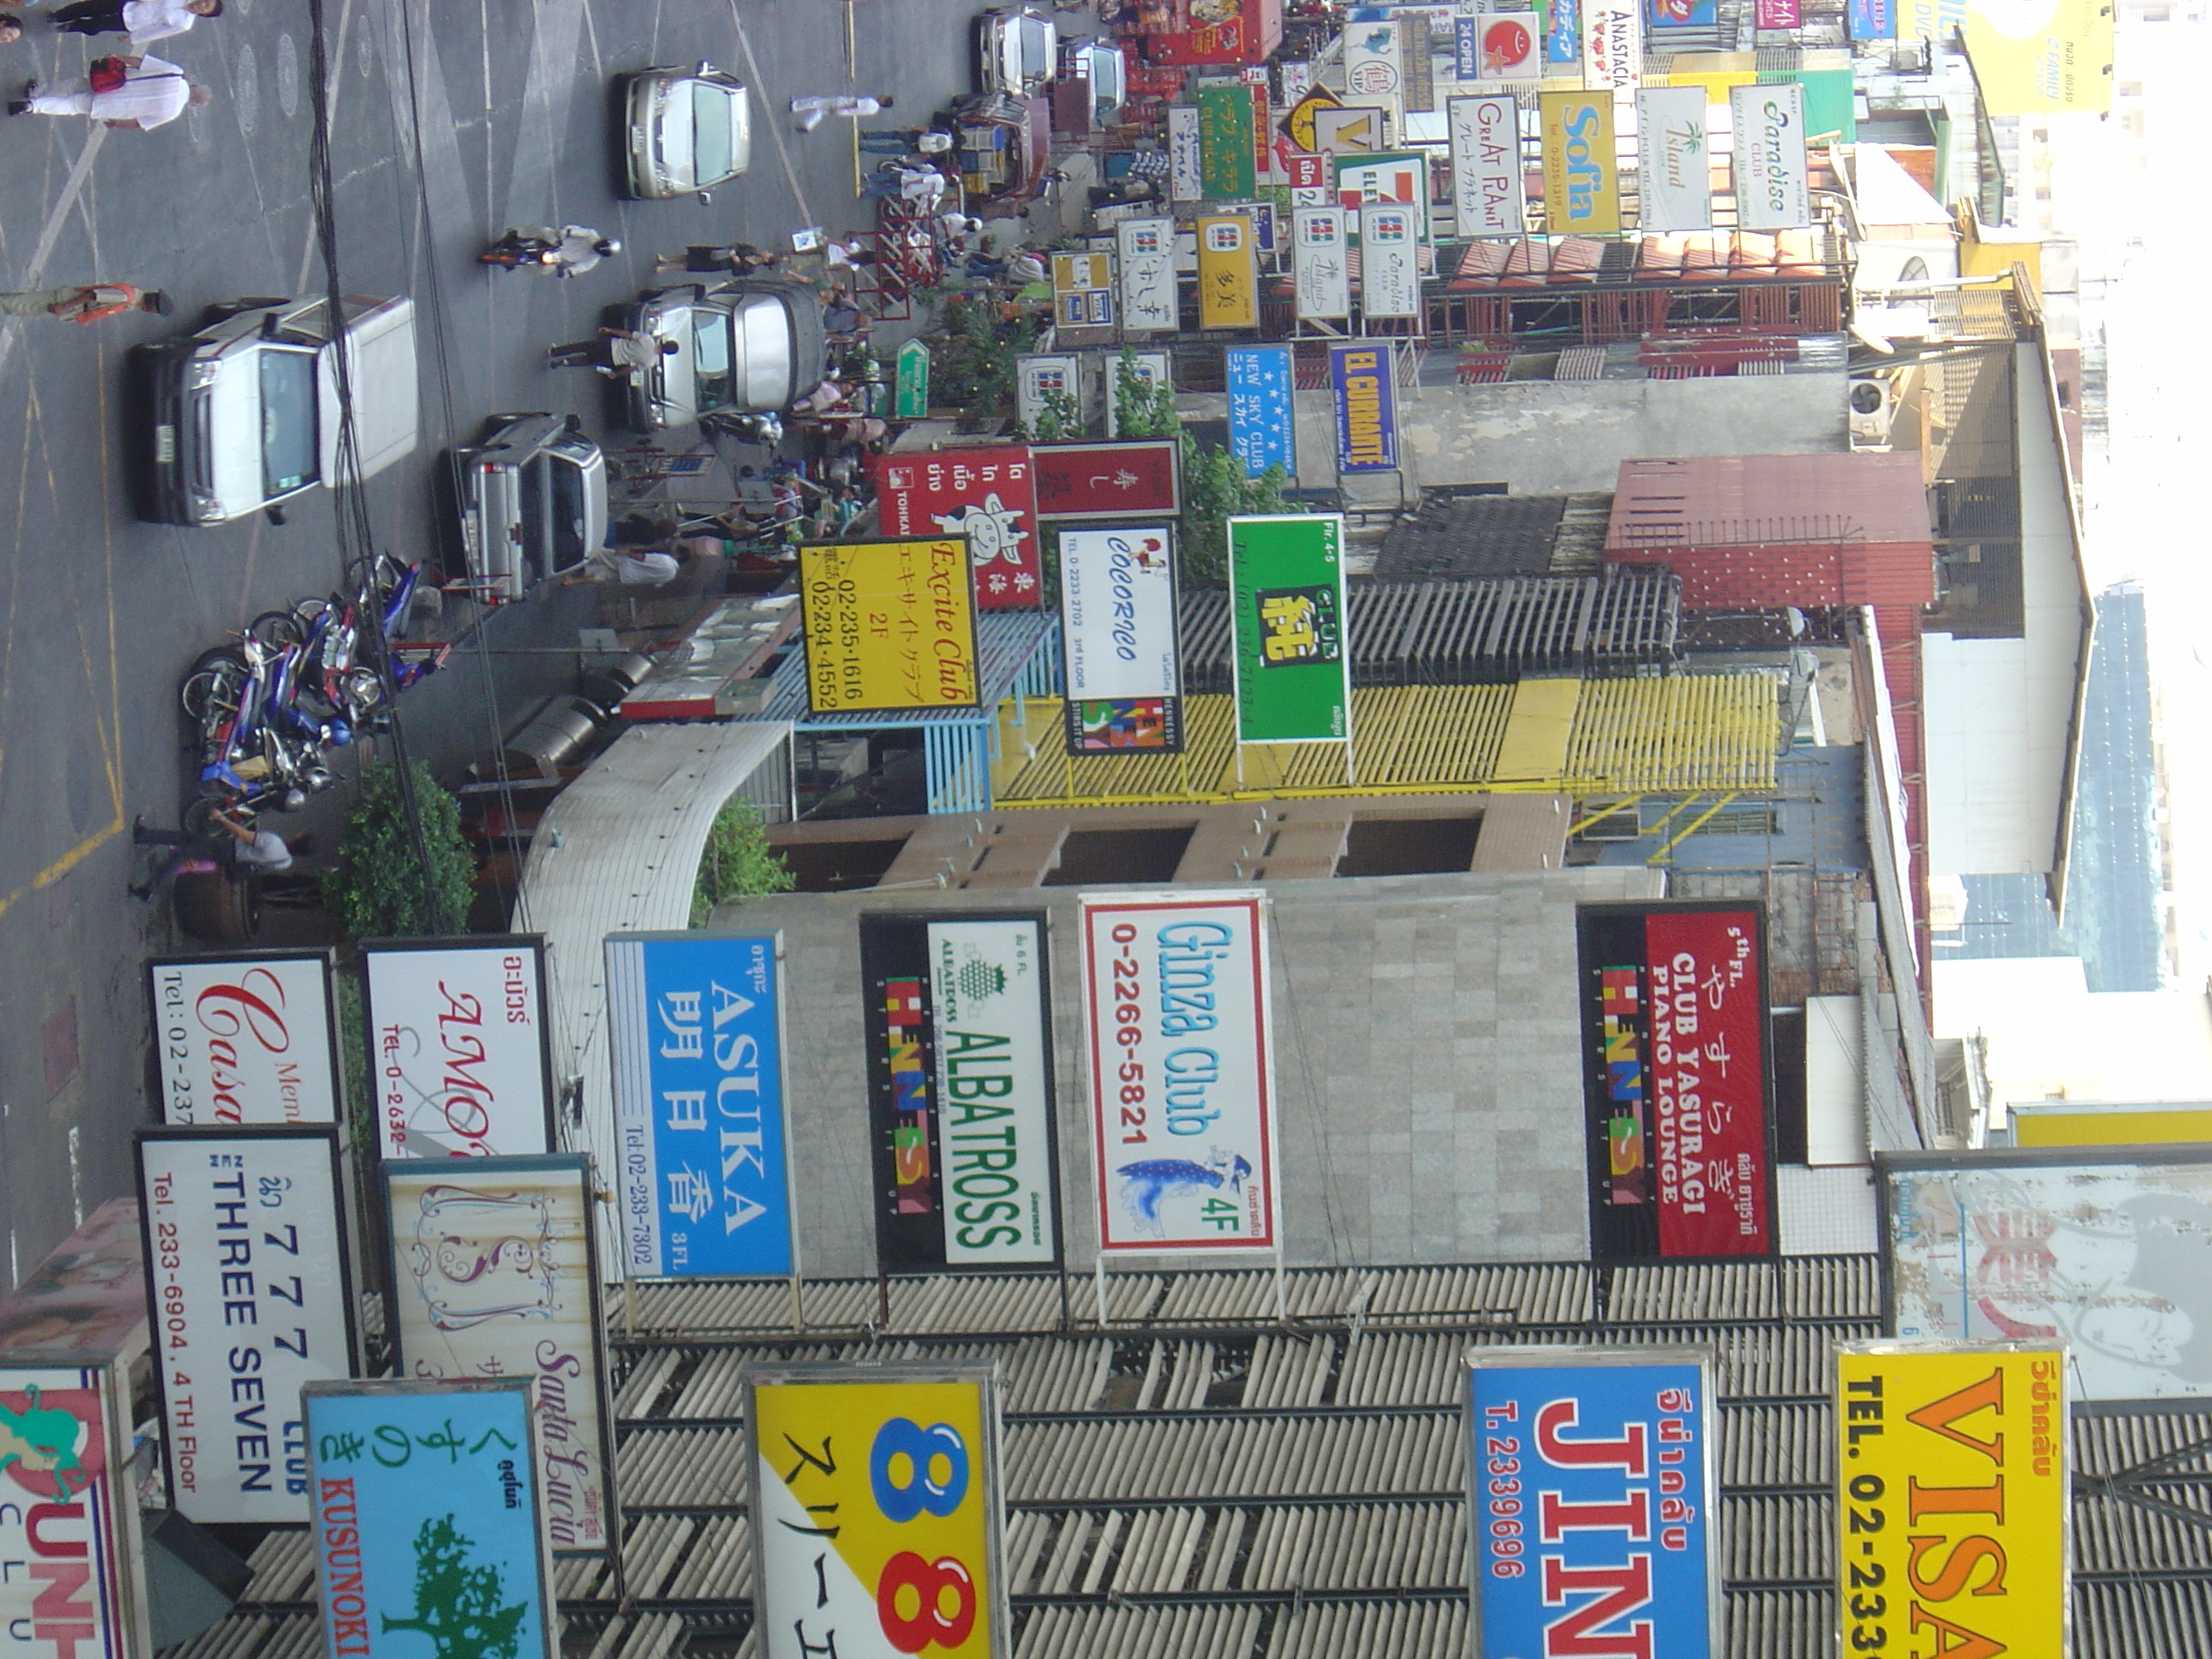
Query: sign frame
<point x="1263" y="374"/>
<point x="988" y="492"/>
<point x="1150" y="300"/>
<point x="1048" y="457"/>
<point x="1488" y="198"/>
<point x="1773" y="187"/>
<point x="1250" y="646"/>
<point x="1593" y="126"/>
<point x="173" y="1032"/>
<point x="1368" y="359"/>
<point x="817" y="568"/>
<point x="1228" y="270"/>
<point x="383" y="1103"/>
<point x="1674" y="183"/>
<point x="1322" y="284"/>
<point x="1389" y="261"/>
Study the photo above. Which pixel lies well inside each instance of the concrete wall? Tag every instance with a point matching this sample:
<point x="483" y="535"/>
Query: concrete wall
<point x="1427" y="1071"/>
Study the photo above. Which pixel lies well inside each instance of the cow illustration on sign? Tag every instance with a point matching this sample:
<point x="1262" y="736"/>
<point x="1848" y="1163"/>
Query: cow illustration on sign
<point x="994" y="530"/>
<point x="1145" y="1182"/>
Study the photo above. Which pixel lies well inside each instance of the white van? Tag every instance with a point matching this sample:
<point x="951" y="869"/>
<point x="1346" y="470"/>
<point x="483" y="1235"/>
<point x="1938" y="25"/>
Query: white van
<point x="243" y="414"/>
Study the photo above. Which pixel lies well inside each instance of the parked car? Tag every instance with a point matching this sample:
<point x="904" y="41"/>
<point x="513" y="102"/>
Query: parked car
<point x="529" y="500"/>
<point x="741" y="348"/>
<point x="1100" y="67"/>
<point x="1016" y="52"/>
<point x="243" y="416"/>
<point x="690" y="130"/>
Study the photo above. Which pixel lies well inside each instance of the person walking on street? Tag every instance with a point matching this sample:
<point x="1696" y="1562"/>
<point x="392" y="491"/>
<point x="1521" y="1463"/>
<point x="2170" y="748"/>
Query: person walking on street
<point x="905" y="141"/>
<point x="91" y="303"/>
<point x="810" y="110"/>
<point x="616" y="353"/>
<point x="141" y="93"/>
<point x="144" y="21"/>
<point x="919" y="187"/>
<point x="248" y="850"/>
<point x="741" y="259"/>
<point x="649" y="569"/>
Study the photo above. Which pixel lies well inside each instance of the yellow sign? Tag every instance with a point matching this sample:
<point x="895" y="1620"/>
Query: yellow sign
<point x="1581" y="177"/>
<point x="2029" y="59"/>
<point x="1716" y="71"/>
<point x="889" y="625"/>
<point x="1073" y="273"/>
<point x="1228" y="273"/>
<point x="875" y="1515"/>
<point x="1298" y="126"/>
<point x="1951" y="1497"/>
<point x="2108" y="1126"/>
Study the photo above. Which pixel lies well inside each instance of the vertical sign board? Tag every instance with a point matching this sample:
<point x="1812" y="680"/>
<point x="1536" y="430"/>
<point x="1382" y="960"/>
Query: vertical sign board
<point x="1487" y="194"/>
<point x="1366" y="381"/>
<point x="1039" y="375"/>
<point x="1613" y="45"/>
<point x="2057" y="56"/>
<point x="1771" y="189"/>
<point x="1872" y="19"/>
<point x="1395" y="179"/>
<point x="1292" y="662"/>
<point x="1225" y="141"/>
<point x="1952" y="1497"/>
<point x="695" y="1026"/>
<point x="250" y="1296"/>
<point x="246" y="1039"/>
<point x="1676" y="1069"/>
<point x="69" y="1510"/>
<point x="1184" y="177"/>
<point x="1389" y="261"/>
<point x="1117" y="615"/>
<point x="1375" y="67"/>
<point x="1582" y="178"/>
<point x="889" y="625"/>
<point x="1262" y="425"/>
<point x="906" y="1459"/>
<point x="495" y="1272"/>
<point x="1149" y="370"/>
<point x="1778" y="14"/>
<point x="957" y="1022"/>
<point x="910" y="385"/>
<point x="1509" y="46"/>
<point x="988" y="495"/>
<point x="459" y="1059"/>
<point x="1183" y="1097"/>
<point x="1320" y="274"/>
<point x="1228" y="272"/>
<point x="1676" y="171"/>
<point x="1083" y="290"/>
<point x="427" y="1534"/>
<point x="1146" y="247"/>
<point x="1134" y="478"/>
<point x="1593" y="1502"/>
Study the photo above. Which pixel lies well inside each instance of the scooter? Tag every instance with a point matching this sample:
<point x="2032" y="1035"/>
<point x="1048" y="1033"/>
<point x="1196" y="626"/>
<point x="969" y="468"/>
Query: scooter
<point x="514" y="250"/>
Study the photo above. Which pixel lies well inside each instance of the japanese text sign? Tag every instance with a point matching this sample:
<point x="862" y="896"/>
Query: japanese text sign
<point x="1390" y="260"/>
<point x="1117" y="604"/>
<point x="495" y="1272"/>
<point x="1148" y="275"/>
<point x="1487" y="193"/>
<point x="986" y="493"/>
<point x="250" y="1297"/>
<point x="1777" y="14"/>
<point x="1771" y="186"/>
<point x="1676" y="180"/>
<point x="1262" y="425"/>
<point x="889" y="625"/>
<point x="695" y="1023"/>
<point x="1952" y="1500"/>
<point x="1613" y="45"/>
<point x="458" y="1054"/>
<point x="1593" y="1501"/>
<point x="1083" y="289"/>
<point x="1291" y="659"/>
<point x="1228" y="272"/>
<point x="876" y="1513"/>
<point x="1134" y="478"/>
<point x="1175" y="987"/>
<point x="246" y="1039"/>
<point x="427" y="1530"/>
<point x="1185" y="179"/>
<point x="1225" y="141"/>
<point x="1319" y="268"/>
<point x="1582" y="178"/>
<point x="1364" y="378"/>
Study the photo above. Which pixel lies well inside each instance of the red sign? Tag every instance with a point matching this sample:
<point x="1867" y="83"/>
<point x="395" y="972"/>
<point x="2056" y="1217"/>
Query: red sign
<point x="1308" y="171"/>
<point x="1141" y="476"/>
<point x="989" y="494"/>
<point x="1777" y="14"/>
<point x="1707" y="1014"/>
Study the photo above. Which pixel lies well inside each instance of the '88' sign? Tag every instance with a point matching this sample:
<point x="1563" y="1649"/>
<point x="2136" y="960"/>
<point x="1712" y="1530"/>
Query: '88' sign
<point x="914" y="1472"/>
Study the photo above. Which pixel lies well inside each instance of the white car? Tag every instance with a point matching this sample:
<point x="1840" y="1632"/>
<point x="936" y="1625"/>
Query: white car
<point x="690" y="131"/>
<point x="530" y="500"/>
<point x="741" y="348"/>
<point x="1016" y="52"/>
<point x="1101" y="65"/>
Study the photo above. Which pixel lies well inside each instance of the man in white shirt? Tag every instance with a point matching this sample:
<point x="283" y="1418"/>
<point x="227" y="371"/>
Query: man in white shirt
<point x="256" y="850"/>
<point x="153" y="94"/>
<point x="810" y="110"/>
<point x="144" y="21"/>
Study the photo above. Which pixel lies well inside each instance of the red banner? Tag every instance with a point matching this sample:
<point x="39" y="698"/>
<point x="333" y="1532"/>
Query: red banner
<point x="1707" y="1012"/>
<point x="987" y="493"/>
<point x="1138" y="477"/>
<point x="1777" y="14"/>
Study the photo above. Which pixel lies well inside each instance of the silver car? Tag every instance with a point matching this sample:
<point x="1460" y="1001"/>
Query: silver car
<point x="690" y="130"/>
<point x="1016" y="52"/>
<point x="741" y="348"/>
<point x="531" y="501"/>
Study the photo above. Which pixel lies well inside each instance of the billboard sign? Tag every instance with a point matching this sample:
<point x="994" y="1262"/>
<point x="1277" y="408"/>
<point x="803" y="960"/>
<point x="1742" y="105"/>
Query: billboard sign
<point x="1676" y="1070"/>
<point x="906" y="1458"/>
<point x="1146" y="247"/>
<point x="1228" y="272"/>
<point x="1041" y="375"/>
<point x="1771" y="186"/>
<point x="250" y="1296"/>
<point x="987" y="495"/>
<point x="1562" y="40"/>
<point x="427" y="1525"/>
<point x="960" y="1096"/>
<point x="246" y="1039"/>
<point x="459" y="1051"/>
<point x="695" y="1026"/>
<point x="889" y="625"/>
<point x="1594" y="1498"/>
<point x="1487" y="194"/>
<point x="1364" y="379"/>
<point x="1225" y="141"/>
<point x="1318" y="266"/>
<point x="1695" y="14"/>
<point x="1508" y="45"/>
<point x="495" y="1272"/>
<point x="1083" y="290"/>
<point x="1389" y="261"/>
<point x="1395" y="179"/>
<point x="2087" y="1123"/>
<point x="1291" y="658"/>
<point x="1952" y="1499"/>
<point x="1613" y="45"/>
<point x="1348" y="130"/>
<point x="1117" y="611"/>
<point x="1872" y="19"/>
<point x="1132" y="477"/>
<point x="910" y="381"/>
<point x="2055" y="55"/>
<point x="1176" y="987"/>
<point x="1778" y="14"/>
<point x="1582" y="178"/>
<point x="1184" y="176"/>
<point x="1374" y="67"/>
<point x="1676" y="177"/>
<point x="1297" y="122"/>
<point x="1262" y="421"/>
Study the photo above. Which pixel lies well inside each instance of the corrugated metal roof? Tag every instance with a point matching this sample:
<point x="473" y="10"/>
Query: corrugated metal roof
<point x="1006" y="641"/>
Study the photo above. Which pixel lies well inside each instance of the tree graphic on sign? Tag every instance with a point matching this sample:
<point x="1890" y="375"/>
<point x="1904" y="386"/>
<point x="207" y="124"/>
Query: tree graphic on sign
<point x="457" y="1606"/>
<point x="980" y="979"/>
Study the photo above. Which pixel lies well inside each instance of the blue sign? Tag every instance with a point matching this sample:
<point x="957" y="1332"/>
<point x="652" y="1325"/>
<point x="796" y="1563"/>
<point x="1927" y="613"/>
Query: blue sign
<point x="1591" y="1495"/>
<point x="695" y="1026"/>
<point x="426" y="1518"/>
<point x="1262" y="419"/>
<point x="1563" y="40"/>
<point x="1873" y="19"/>
<point x="1363" y="375"/>
<point x="1466" y="48"/>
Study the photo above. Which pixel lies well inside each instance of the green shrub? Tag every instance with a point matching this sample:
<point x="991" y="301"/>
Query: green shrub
<point x="738" y="863"/>
<point x="378" y="887"/>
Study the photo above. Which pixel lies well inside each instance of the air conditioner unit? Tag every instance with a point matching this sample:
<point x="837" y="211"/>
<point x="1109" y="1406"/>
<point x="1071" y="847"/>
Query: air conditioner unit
<point x="1871" y="412"/>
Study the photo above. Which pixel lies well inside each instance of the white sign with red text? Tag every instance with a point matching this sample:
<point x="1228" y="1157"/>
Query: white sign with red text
<point x="245" y="1039"/>
<point x="458" y="1053"/>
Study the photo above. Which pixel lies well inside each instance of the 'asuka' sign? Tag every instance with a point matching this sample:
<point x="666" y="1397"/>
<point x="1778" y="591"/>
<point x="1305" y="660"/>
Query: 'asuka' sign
<point x="246" y="1039"/>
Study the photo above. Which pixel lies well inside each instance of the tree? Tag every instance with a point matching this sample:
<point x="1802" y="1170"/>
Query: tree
<point x="737" y="862"/>
<point x="457" y="1606"/>
<point x="376" y="889"/>
<point x="1214" y="486"/>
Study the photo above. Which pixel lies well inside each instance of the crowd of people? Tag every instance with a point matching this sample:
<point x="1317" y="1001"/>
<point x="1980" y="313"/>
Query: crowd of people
<point x="129" y="90"/>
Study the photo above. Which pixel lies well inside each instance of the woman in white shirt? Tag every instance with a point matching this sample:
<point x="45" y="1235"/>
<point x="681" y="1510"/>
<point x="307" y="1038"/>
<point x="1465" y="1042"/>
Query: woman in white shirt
<point x="144" y="21"/>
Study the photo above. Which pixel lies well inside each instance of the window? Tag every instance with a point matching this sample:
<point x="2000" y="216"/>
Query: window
<point x="1089" y="856"/>
<point x="840" y="867"/>
<point x="289" y="425"/>
<point x="1409" y="847"/>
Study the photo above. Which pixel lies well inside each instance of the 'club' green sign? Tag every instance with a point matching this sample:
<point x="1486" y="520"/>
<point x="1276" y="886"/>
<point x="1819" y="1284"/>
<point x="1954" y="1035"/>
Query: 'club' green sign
<point x="911" y="389"/>
<point x="1287" y="611"/>
<point x="1226" y="160"/>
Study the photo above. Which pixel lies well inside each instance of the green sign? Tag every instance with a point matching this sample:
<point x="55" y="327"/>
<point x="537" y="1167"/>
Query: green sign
<point x="1287" y="611"/>
<point x="1226" y="161"/>
<point x="910" y="401"/>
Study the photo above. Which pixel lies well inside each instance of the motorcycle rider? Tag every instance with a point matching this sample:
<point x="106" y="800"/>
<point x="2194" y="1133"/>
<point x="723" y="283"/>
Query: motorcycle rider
<point x="568" y="252"/>
<point x="256" y="849"/>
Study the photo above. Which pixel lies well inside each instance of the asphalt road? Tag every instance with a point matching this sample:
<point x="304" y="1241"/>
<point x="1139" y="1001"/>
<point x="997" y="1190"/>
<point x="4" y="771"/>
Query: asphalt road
<point x="451" y="119"/>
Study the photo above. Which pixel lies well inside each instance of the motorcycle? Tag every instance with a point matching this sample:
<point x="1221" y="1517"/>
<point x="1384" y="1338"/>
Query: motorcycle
<point x="513" y="251"/>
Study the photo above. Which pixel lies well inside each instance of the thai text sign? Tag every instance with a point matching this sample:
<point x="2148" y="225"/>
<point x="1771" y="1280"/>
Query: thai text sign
<point x="1148" y="276"/>
<point x="1613" y="45"/>
<point x="1582" y="179"/>
<point x="1228" y="273"/>
<point x="69" y="1513"/>
<point x="1770" y="184"/>
<point x="889" y="625"/>
<point x="1592" y="1497"/>
<point x="907" y="1462"/>
<point x="1262" y="425"/>
<point x="1181" y="1071"/>
<point x="459" y="1055"/>
<point x="1292" y="660"/>
<point x="1225" y="141"/>
<point x="1389" y="261"/>
<point x="1674" y="1007"/>
<point x="1364" y="379"/>
<point x="1485" y="156"/>
<point x="246" y="1039"/>
<point x="250" y="1297"/>
<point x="495" y="1272"/>
<point x="1184" y="178"/>
<point x="1951" y="1497"/>
<point x="1318" y="266"/>
<point x="987" y="495"/>
<point x="1117" y="608"/>
<point x="426" y="1524"/>
<point x="1132" y="477"/>
<point x="1676" y="180"/>
<point x="695" y="1023"/>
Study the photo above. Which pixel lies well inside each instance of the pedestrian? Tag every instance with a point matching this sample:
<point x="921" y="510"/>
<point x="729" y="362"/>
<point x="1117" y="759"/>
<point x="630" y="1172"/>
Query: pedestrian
<point x="919" y="187"/>
<point x="739" y="258"/>
<point x="139" y="93"/>
<point x="238" y="848"/>
<point x="841" y="313"/>
<point x="92" y="303"/>
<point x="649" y="569"/>
<point x="616" y="353"/>
<point x="825" y="397"/>
<point x="954" y="225"/>
<point x="10" y="30"/>
<point x="575" y="248"/>
<point x="810" y="110"/>
<point x="900" y="141"/>
<point x="144" y="21"/>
